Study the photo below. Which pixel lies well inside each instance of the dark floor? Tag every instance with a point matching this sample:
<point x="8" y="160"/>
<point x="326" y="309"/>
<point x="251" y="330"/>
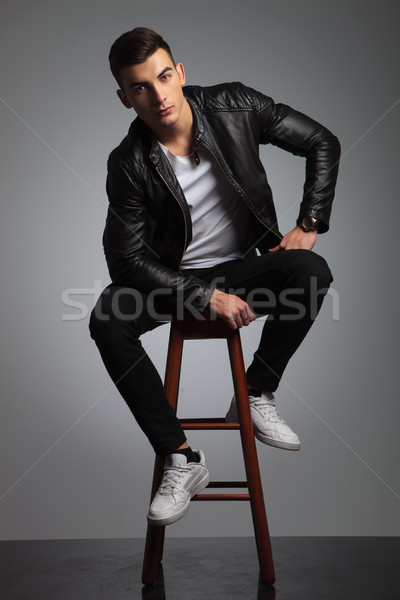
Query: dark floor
<point x="331" y="568"/>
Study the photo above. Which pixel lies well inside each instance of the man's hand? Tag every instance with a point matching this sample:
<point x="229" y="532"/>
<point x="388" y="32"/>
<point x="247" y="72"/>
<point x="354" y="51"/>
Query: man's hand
<point x="297" y="239"/>
<point x="231" y="309"/>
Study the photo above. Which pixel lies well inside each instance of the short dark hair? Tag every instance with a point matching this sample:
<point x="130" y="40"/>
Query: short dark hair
<point x="134" y="47"/>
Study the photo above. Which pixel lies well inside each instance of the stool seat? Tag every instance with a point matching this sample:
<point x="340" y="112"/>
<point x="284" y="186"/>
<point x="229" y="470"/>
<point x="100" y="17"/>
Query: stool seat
<point x="192" y="329"/>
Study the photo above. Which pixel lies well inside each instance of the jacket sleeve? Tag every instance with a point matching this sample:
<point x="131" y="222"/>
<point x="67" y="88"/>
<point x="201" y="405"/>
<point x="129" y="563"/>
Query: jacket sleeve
<point x="293" y="131"/>
<point x="131" y="260"/>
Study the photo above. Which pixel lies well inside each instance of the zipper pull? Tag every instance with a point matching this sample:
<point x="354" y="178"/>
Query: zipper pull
<point x="196" y="156"/>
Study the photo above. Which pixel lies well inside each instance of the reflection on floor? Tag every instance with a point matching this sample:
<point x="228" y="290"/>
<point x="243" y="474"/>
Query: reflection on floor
<point x="331" y="568"/>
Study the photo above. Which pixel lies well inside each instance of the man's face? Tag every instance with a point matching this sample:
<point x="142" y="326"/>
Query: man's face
<point x="154" y="90"/>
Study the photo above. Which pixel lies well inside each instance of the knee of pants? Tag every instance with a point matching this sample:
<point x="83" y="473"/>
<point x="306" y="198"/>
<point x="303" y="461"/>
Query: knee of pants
<point x="312" y="268"/>
<point x="116" y="310"/>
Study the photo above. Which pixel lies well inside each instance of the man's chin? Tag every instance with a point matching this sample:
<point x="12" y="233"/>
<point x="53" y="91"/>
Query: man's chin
<point x="168" y="122"/>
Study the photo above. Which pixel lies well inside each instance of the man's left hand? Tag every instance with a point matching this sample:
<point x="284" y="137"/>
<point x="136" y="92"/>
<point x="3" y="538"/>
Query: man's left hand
<point x="297" y="239"/>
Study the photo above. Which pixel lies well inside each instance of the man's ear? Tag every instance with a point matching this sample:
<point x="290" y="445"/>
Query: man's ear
<point x="124" y="99"/>
<point x="181" y="73"/>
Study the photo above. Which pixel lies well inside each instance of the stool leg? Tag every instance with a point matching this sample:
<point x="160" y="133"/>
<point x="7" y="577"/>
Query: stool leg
<point x="173" y="366"/>
<point x="154" y="545"/>
<point x="261" y="531"/>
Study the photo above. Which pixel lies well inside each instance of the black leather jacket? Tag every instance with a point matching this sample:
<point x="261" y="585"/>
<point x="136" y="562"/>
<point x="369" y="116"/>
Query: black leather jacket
<point x="148" y="224"/>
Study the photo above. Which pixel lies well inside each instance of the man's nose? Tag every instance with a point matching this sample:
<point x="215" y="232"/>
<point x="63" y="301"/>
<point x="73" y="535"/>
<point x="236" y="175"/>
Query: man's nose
<point x="159" y="94"/>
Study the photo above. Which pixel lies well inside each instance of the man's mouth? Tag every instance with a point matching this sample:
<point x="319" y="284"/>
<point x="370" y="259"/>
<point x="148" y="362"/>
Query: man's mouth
<point x="164" y="111"/>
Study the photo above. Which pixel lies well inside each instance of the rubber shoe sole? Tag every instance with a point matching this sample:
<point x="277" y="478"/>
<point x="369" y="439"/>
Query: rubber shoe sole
<point x="276" y="443"/>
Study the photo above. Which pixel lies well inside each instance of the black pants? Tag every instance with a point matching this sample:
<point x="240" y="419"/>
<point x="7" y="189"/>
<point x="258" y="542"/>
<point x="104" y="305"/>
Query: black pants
<point x="288" y="286"/>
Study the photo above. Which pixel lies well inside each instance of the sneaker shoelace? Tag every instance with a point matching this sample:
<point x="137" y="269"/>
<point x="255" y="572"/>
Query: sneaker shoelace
<point x="171" y="479"/>
<point x="267" y="411"/>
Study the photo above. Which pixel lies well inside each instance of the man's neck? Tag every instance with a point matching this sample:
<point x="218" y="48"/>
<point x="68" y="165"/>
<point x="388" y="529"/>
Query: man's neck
<point x="179" y="137"/>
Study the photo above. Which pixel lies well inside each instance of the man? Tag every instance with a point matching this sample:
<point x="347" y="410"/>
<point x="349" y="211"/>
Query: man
<point x="190" y="206"/>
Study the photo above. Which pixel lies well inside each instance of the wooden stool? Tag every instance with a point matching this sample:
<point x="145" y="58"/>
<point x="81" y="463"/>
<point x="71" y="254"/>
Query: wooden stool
<point x="191" y="329"/>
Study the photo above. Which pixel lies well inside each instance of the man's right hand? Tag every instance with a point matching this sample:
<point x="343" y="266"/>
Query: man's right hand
<point x="231" y="309"/>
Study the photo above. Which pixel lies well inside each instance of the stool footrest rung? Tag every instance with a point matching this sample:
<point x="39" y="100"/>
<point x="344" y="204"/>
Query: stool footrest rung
<point x="211" y="423"/>
<point x="221" y="497"/>
<point x="227" y="484"/>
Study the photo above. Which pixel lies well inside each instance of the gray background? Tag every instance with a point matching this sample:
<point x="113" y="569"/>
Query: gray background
<point x="74" y="463"/>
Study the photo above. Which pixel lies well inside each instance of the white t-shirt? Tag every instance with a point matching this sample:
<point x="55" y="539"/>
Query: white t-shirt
<point x="220" y="220"/>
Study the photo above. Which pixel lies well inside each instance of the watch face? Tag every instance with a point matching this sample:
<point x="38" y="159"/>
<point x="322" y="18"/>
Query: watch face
<point x="309" y="224"/>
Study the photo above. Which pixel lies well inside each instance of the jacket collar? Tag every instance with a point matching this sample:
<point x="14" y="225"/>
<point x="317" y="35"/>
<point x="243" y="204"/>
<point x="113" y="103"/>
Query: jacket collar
<point x="199" y="125"/>
<point x="199" y="131"/>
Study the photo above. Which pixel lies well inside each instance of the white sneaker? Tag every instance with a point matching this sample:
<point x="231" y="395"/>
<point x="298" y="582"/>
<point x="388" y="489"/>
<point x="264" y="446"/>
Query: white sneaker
<point x="181" y="481"/>
<point x="268" y="425"/>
